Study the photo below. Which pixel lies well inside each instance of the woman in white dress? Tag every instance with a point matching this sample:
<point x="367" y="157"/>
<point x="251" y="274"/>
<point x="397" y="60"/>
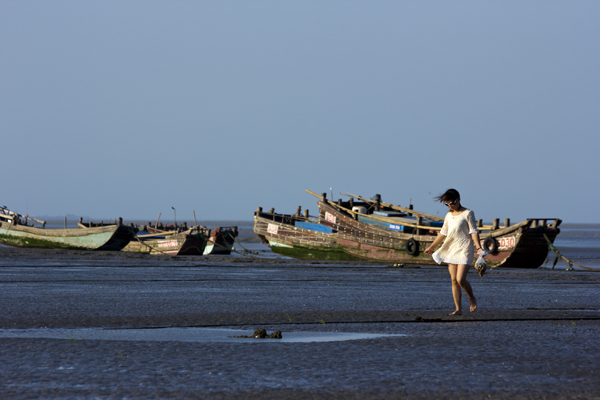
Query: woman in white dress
<point x="460" y="236"/>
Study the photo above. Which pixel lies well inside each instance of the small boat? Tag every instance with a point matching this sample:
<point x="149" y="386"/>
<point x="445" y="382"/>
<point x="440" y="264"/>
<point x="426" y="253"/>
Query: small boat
<point x="221" y="240"/>
<point x="190" y="242"/>
<point x="18" y="230"/>
<point x="373" y="230"/>
<point x="298" y="236"/>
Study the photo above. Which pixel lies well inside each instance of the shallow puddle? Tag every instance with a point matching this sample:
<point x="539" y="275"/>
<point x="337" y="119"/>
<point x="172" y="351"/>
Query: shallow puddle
<point x="205" y="335"/>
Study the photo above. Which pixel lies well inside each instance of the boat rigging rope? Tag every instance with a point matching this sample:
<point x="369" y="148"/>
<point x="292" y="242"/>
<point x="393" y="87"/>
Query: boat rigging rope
<point x="560" y="256"/>
<point x="246" y="253"/>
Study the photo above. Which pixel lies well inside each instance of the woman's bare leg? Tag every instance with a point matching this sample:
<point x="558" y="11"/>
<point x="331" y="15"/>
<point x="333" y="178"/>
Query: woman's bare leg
<point x="456" y="293"/>
<point x="461" y="278"/>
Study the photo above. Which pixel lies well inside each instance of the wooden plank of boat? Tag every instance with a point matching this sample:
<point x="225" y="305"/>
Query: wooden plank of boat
<point x="384" y="219"/>
<point x="389" y="220"/>
<point x="279" y="232"/>
<point x="393" y="206"/>
<point x="111" y="237"/>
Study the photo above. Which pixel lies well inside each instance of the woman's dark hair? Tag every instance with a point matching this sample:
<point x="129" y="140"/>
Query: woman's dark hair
<point x="449" y="195"/>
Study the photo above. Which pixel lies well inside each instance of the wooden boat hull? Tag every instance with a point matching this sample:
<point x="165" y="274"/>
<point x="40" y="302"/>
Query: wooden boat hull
<point x="183" y="243"/>
<point x="528" y="249"/>
<point x="278" y="232"/>
<point x="518" y="246"/>
<point x="221" y="241"/>
<point x="110" y="237"/>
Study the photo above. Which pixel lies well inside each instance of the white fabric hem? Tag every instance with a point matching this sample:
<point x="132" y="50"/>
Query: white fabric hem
<point x="473" y="231"/>
<point x="439" y="260"/>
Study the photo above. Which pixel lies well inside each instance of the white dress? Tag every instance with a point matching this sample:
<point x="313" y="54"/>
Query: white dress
<point x="458" y="246"/>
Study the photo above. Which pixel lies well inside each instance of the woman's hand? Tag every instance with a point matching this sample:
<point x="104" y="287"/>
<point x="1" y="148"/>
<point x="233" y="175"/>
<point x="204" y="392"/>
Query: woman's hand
<point x="439" y="239"/>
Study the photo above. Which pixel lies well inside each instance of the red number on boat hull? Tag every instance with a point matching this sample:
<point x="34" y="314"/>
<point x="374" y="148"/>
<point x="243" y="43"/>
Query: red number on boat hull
<point x="506" y="242"/>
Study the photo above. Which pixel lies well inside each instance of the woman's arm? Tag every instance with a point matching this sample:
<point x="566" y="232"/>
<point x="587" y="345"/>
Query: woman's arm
<point x="473" y="230"/>
<point x="439" y="239"/>
<point x="476" y="240"/>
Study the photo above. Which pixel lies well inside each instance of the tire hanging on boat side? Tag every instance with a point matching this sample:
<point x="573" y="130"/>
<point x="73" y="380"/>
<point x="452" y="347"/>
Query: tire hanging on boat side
<point x="491" y="245"/>
<point x="412" y="247"/>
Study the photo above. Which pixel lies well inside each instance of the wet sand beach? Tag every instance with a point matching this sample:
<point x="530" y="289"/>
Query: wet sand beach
<point x="100" y="325"/>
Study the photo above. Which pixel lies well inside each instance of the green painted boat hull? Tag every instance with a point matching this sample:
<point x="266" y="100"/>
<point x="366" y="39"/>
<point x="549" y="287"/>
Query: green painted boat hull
<point x="111" y="237"/>
<point x="308" y="253"/>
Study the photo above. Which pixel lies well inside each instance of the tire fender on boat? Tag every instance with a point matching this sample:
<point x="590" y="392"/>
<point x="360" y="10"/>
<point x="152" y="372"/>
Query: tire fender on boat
<point x="412" y="247"/>
<point x="491" y="245"/>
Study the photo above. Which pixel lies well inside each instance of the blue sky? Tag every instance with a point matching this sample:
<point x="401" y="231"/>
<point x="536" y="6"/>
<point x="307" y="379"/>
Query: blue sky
<point x="129" y="108"/>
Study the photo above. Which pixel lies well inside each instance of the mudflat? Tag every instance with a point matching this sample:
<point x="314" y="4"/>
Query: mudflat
<point x="534" y="334"/>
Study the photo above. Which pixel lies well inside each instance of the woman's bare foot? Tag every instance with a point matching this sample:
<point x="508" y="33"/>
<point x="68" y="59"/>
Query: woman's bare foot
<point x="473" y="304"/>
<point x="457" y="312"/>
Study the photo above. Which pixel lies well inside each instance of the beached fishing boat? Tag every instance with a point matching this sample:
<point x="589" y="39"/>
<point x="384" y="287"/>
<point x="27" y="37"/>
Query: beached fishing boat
<point x="373" y="230"/>
<point x="18" y="230"/>
<point x="190" y="242"/>
<point x="221" y="240"/>
<point x="298" y="236"/>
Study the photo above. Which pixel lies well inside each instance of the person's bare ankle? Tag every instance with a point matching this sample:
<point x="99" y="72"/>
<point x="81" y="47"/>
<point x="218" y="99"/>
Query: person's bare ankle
<point x="473" y="305"/>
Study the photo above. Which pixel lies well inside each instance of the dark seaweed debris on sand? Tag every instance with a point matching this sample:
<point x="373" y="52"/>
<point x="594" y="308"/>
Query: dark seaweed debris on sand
<point x="261" y="333"/>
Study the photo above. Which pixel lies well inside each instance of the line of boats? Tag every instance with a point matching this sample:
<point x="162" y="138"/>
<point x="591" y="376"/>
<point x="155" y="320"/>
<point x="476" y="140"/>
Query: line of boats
<point x="18" y="230"/>
<point x="358" y="229"/>
<point x="369" y="229"/>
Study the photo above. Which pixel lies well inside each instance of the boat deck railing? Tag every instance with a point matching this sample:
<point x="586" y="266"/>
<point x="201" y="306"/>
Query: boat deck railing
<point x="535" y="223"/>
<point x="15" y="219"/>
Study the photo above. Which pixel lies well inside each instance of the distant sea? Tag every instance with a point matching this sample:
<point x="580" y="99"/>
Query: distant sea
<point x="578" y="235"/>
<point x="579" y="243"/>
